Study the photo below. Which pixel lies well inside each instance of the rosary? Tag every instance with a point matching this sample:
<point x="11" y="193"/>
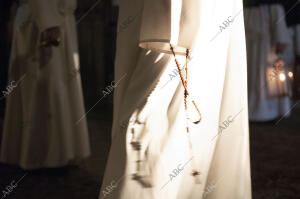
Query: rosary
<point x="184" y="82"/>
<point x="136" y="144"/>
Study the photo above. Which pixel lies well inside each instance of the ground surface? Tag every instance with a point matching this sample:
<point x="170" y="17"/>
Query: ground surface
<point x="275" y="162"/>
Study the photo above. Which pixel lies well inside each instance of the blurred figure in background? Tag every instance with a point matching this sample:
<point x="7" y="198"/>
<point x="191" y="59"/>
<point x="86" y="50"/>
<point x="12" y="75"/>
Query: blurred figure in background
<point x="267" y="38"/>
<point x="44" y="124"/>
<point x="292" y="8"/>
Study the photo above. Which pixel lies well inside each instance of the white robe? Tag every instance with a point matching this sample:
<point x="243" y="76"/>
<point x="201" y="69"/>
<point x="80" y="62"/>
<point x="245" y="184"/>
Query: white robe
<point x="293" y="50"/>
<point x="258" y="23"/>
<point x="149" y="105"/>
<point x="40" y="127"/>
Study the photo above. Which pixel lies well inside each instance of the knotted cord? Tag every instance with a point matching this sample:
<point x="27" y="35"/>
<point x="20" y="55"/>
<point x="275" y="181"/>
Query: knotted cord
<point x="184" y="81"/>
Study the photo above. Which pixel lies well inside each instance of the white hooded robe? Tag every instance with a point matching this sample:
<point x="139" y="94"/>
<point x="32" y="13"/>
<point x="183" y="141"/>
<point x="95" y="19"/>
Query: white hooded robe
<point x="41" y="126"/>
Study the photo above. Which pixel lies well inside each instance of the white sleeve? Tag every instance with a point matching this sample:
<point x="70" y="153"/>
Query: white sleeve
<point x="46" y="13"/>
<point x="166" y="22"/>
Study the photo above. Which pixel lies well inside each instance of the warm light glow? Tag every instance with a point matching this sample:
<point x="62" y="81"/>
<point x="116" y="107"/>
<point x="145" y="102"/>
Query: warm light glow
<point x="282" y="77"/>
<point x="291" y="75"/>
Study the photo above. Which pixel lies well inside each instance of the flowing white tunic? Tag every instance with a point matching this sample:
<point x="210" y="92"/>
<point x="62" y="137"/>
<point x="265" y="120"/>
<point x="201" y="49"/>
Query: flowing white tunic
<point x="149" y="108"/>
<point x="258" y="24"/>
<point x="40" y="128"/>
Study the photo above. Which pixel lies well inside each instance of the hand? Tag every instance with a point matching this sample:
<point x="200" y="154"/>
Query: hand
<point x="51" y="37"/>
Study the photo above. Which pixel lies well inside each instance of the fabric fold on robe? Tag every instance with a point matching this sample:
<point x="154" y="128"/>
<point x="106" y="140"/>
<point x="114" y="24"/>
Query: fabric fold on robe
<point x="166" y="22"/>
